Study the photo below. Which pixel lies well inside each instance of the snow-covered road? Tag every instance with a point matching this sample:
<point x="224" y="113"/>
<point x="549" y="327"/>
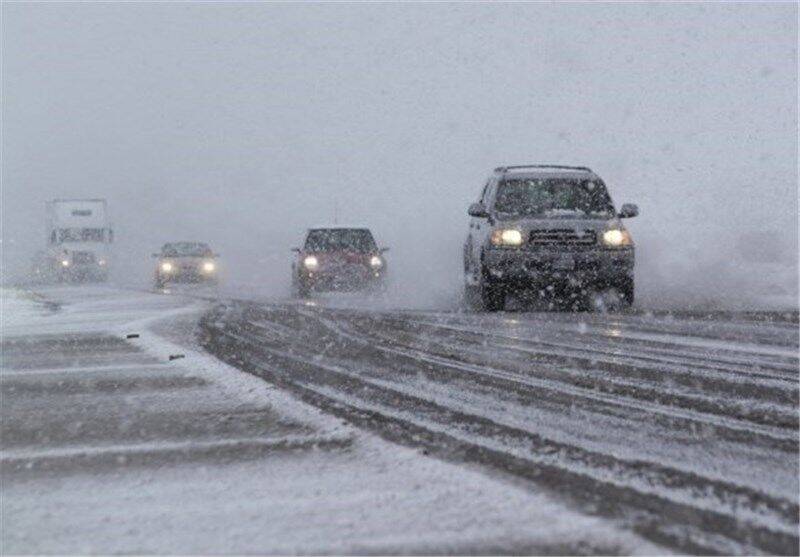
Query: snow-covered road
<point x="109" y="446"/>
<point x="685" y="428"/>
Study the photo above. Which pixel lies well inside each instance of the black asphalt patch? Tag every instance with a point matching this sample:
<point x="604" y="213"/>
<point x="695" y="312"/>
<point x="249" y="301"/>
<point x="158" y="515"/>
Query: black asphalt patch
<point x="79" y="402"/>
<point x="58" y="351"/>
<point x="59" y="385"/>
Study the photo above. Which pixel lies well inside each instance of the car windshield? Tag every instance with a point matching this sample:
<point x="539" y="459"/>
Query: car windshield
<point x="340" y="239"/>
<point x="553" y="197"/>
<point x="186" y="249"/>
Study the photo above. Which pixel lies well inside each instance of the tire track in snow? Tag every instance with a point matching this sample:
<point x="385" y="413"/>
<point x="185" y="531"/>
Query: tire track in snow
<point x="297" y="363"/>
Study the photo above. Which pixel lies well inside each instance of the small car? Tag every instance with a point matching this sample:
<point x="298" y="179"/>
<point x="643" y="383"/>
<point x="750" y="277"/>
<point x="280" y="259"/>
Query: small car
<point x="190" y="262"/>
<point x="338" y="258"/>
<point x="548" y="229"/>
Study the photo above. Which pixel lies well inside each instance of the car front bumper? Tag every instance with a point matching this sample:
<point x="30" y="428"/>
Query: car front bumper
<point x="342" y="279"/>
<point x="186" y="274"/>
<point x="536" y="268"/>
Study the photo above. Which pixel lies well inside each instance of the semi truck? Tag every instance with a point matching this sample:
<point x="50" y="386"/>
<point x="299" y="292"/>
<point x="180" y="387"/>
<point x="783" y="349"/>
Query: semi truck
<point x="79" y="239"/>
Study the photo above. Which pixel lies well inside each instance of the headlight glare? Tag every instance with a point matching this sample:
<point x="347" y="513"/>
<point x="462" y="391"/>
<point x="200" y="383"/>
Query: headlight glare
<point x="507" y="237"/>
<point x="616" y="238"/>
<point x="166" y="267"/>
<point x="376" y="262"/>
<point x="208" y="266"/>
<point x="65" y="262"/>
<point x="310" y="262"/>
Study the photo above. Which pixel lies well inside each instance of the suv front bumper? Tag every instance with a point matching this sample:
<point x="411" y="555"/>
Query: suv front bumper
<point x="535" y="268"/>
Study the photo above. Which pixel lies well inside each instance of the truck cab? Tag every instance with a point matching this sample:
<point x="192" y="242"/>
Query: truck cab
<point x="79" y="240"/>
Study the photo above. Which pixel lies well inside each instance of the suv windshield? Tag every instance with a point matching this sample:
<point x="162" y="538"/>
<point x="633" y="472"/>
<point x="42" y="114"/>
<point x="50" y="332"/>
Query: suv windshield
<point x="553" y="197"/>
<point x="186" y="249"/>
<point x="340" y="239"/>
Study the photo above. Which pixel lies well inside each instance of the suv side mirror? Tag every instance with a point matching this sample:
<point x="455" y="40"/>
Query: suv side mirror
<point x="155" y="255"/>
<point x="383" y="250"/>
<point x="296" y="250"/>
<point x="477" y="210"/>
<point x="628" y="210"/>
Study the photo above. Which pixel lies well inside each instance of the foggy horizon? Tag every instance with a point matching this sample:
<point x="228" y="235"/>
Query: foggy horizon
<point x="242" y="125"/>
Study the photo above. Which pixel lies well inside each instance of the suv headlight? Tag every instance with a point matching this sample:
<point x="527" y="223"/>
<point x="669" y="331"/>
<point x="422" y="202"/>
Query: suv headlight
<point x="209" y="266"/>
<point x="376" y="262"/>
<point x="166" y="266"/>
<point x="507" y="237"/>
<point x="310" y="263"/>
<point x="617" y="238"/>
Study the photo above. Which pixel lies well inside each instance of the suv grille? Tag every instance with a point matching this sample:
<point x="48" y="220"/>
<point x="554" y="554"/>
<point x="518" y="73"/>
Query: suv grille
<point x="563" y="237"/>
<point x="82" y="257"/>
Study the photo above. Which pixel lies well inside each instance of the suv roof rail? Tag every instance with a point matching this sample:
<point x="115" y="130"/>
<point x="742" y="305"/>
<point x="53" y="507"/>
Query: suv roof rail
<point x="505" y="169"/>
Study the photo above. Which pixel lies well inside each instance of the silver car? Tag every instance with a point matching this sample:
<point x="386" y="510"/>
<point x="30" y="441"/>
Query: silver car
<point x="551" y="230"/>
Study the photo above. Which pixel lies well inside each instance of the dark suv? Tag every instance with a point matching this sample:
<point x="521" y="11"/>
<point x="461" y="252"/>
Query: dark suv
<point x="338" y="258"/>
<point x="549" y="229"/>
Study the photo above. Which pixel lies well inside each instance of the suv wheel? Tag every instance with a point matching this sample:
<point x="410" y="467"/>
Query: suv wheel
<point x="302" y="290"/>
<point x="627" y="291"/>
<point x="493" y="294"/>
<point x="611" y="298"/>
<point x="471" y="297"/>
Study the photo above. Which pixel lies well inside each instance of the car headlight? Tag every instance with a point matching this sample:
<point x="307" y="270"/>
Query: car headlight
<point x="102" y="262"/>
<point x="376" y="262"/>
<point x="507" y="237"/>
<point x="208" y="266"/>
<point x="166" y="267"/>
<point x="310" y="262"/>
<point x="65" y="262"/>
<point x="616" y="238"/>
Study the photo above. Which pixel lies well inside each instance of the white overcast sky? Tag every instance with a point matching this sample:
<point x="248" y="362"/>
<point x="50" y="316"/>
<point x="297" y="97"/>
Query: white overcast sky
<point x="240" y="124"/>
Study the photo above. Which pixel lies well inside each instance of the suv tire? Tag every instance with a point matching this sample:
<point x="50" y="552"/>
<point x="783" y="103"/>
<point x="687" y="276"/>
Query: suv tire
<point x="303" y="291"/>
<point x="492" y="293"/>
<point x="627" y="291"/>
